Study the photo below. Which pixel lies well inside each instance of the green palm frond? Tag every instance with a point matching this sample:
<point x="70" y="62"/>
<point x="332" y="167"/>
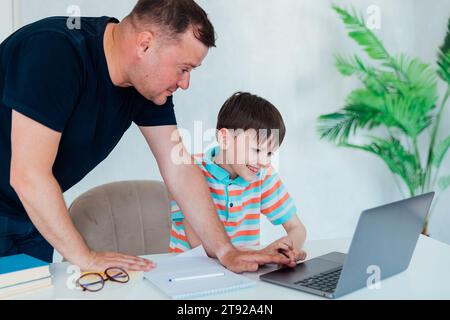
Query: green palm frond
<point x="391" y="81"/>
<point x="444" y="182"/>
<point x="368" y="110"/>
<point x="368" y="75"/>
<point x="362" y="35"/>
<point x="347" y="67"/>
<point x="444" y="66"/>
<point x="418" y="73"/>
<point x="444" y="57"/>
<point x="397" y="158"/>
<point x="409" y="114"/>
<point x="367" y="98"/>
<point x="419" y="80"/>
<point x="440" y="151"/>
<point x="371" y="109"/>
<point x="338" y="126"/>
<point x="405" y="102"/>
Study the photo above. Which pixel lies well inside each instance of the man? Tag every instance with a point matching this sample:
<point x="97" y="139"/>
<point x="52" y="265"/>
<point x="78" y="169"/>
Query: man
<point x="68" y="96"/>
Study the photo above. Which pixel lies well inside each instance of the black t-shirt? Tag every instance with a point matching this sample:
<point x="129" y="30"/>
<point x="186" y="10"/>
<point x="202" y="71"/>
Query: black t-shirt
<point x="59" y="78"/>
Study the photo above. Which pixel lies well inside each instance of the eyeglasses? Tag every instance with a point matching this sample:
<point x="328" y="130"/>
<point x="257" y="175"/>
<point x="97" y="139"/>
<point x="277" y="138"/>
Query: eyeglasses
<point x="94" y="281"/>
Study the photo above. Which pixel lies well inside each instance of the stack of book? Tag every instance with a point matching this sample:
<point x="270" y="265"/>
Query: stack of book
<point x="21" y="274"/>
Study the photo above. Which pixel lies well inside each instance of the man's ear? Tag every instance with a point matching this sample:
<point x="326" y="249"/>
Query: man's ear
<point x="144" y="42"/>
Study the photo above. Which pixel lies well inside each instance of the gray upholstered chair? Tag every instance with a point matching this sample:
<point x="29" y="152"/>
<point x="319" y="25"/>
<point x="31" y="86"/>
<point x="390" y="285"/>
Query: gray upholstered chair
<point x="130" y="217"/>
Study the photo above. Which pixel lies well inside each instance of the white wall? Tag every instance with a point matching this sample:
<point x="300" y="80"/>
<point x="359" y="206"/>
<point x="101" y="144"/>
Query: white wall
<point x="6" y="18"/>
<point x="283" y="50"/>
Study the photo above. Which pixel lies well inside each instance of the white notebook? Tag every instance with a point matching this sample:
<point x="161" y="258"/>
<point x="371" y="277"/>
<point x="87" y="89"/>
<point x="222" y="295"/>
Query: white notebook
<point x="193" y="274"/>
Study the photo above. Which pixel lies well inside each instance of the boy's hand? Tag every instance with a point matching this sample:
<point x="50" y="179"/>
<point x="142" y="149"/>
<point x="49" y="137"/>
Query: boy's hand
<point x="284" y="246"/>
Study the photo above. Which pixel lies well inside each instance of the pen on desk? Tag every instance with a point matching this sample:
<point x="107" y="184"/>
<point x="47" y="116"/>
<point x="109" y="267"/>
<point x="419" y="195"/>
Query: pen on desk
<point x="198" y="277"/>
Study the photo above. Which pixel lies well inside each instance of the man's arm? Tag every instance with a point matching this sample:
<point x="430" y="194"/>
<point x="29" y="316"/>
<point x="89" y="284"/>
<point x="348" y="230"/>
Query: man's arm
<point x="34" y="149"/>
<point x="191" y="237"/>
<point x="187" y="185"/>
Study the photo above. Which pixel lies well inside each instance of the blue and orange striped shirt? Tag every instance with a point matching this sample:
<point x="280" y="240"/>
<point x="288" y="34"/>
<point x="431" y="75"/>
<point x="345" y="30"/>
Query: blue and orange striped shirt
<point x="239" y="204"/>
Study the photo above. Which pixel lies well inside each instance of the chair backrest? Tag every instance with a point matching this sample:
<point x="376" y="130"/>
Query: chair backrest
<point x="130" y="217"/>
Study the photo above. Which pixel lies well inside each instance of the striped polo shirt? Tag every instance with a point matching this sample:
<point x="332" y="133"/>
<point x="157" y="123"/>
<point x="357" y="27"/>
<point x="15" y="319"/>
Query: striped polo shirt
<point x="239" y="203"/>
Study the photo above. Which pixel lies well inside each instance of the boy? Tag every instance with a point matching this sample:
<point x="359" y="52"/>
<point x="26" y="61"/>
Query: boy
<point x="243" y="184"/>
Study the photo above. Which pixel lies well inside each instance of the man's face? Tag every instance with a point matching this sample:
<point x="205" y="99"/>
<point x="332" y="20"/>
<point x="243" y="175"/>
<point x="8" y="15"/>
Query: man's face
<point x="246" y="156"/>
<point x="166" y="66"/>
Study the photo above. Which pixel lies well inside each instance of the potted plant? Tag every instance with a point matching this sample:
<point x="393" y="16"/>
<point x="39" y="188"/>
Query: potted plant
<point x="397" y="103"/>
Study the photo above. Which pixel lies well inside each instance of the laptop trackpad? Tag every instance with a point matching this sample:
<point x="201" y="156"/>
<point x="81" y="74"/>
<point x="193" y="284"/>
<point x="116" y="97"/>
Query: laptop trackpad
<point x="303" y="270"/>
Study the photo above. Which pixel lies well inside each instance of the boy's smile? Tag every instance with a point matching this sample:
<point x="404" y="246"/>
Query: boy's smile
<point x="253" y="169"/>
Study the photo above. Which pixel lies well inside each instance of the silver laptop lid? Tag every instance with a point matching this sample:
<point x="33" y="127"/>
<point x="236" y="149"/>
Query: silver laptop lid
<point x="383" y="242"/>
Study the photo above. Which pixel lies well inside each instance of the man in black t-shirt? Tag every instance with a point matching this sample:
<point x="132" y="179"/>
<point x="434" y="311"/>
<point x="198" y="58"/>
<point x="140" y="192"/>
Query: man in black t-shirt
<point x="67" y="96"/>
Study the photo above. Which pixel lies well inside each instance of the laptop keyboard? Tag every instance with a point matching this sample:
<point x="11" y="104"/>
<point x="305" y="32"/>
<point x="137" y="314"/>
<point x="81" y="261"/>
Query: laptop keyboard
<point x="325" y="281"/>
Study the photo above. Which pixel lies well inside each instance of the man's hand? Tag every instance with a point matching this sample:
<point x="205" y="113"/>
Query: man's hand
<point x="285" y="246"/>
<point x="99" y="261"/>
<point x="241" y="261"/>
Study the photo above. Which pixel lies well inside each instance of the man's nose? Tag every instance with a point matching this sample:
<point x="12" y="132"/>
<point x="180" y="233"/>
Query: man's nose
<point x="184" y="81"/>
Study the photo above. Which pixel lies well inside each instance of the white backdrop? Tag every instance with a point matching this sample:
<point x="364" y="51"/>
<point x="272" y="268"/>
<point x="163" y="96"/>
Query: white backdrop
<point x="6" y="18"/>
<point x="283" y="50"/>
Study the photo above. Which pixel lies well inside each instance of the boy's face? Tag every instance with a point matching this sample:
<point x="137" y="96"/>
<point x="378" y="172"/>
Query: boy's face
<point x="244" y="156"/>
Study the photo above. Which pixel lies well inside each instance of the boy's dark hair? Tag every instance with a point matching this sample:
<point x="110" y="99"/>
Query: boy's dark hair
<point x="175" y="17"/>
<point x="248" y="111"/>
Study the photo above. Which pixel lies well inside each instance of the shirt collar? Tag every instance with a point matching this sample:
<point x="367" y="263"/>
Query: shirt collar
<point x="220" y="173"/>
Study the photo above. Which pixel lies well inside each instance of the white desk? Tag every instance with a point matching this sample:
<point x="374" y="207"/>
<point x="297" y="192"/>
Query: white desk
<point x="428" y="277"/>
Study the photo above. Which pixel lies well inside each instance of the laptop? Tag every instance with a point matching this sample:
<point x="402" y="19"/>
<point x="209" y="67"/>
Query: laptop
<point x="382" y="246"/>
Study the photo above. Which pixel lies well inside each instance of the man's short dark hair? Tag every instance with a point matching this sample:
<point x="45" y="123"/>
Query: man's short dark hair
<point x="247" y="111"/>
<point x="175" y="17"/>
